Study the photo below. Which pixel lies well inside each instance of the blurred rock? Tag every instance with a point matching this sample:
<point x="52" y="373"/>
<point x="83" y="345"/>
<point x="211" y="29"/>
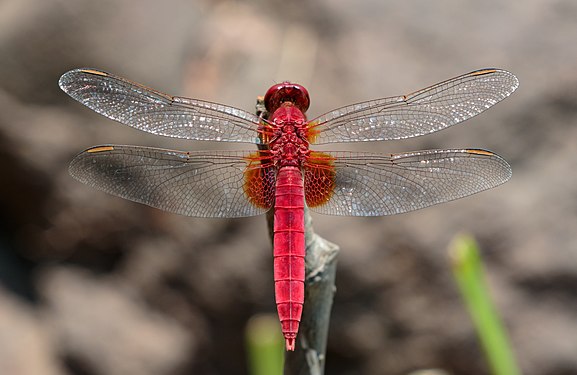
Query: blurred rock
<point x="101" y="327"/>
<point x="26" y="344"/>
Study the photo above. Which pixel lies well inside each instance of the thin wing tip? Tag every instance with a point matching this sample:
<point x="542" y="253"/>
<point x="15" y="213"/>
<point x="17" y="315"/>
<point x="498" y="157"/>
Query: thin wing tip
<point x="71" y="76"/>
<point x="509" y="76"/>
<point x="73" y="168"/>
<point x="512" y="77"/>
<point x="506" y="170"/>
<point x="91" y="150"/>
<point x="64" y="80"/>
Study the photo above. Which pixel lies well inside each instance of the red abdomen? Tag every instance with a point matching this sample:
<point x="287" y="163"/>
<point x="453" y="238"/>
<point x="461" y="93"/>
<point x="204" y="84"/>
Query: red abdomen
<point x="289" y="250"/>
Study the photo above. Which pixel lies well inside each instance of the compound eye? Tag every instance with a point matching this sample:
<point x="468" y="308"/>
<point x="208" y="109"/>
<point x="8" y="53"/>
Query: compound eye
<point x="286" y="92"/>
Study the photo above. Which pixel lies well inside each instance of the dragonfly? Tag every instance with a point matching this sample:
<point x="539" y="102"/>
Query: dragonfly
<point x="282" y="173"/>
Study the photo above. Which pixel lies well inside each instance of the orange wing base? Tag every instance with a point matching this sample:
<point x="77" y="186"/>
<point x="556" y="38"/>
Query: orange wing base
<point x="319" y="178"/>
<point x="259" y="178"/>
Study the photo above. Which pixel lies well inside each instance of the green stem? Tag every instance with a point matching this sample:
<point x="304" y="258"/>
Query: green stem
<point x="470" y="276"/>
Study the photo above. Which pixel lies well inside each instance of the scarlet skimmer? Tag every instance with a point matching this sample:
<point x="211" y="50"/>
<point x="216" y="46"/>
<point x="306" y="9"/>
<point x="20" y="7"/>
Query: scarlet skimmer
<point x="284" y="174"/>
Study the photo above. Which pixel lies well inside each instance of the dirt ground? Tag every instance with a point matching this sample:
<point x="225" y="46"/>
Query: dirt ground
<point x="91" y="284"/>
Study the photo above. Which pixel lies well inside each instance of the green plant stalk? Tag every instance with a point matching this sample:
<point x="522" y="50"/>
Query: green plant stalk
<point x="265" y="345"/>
<point x="470" y="276"/>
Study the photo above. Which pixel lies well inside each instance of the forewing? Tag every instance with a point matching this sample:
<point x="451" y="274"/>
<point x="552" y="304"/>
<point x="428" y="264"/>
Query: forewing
<point x="422" y="112"/>
<point x="152" y="111"/>
<point x="374" y="185"/>
<point x="201" y="184"/>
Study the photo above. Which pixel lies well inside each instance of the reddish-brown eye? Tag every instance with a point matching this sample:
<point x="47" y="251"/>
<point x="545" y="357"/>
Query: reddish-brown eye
<point x="286" y="92"/>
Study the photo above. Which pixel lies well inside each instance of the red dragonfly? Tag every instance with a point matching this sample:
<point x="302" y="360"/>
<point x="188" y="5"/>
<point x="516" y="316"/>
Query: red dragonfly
<point x="284" y="174"/>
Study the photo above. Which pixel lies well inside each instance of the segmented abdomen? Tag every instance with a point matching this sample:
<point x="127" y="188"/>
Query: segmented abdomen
<point x="289" y="250"/>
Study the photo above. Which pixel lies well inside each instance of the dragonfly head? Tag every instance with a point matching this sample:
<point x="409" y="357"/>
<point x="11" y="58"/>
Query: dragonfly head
<point x="286" y="92"/>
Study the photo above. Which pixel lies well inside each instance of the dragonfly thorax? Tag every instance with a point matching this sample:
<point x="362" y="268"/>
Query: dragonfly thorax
<point x="289" y="146"/>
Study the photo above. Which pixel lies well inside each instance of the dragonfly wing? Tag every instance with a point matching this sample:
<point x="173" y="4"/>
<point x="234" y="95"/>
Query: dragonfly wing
<point x="422" y="112"/>
<point x="201" y="184"/>
<point x="373" y="185"/>
<point x="155" y="112"/>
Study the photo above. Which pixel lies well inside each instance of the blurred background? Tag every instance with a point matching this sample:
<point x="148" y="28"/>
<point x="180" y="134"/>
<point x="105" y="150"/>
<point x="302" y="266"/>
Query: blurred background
<point x="91" y="284"/>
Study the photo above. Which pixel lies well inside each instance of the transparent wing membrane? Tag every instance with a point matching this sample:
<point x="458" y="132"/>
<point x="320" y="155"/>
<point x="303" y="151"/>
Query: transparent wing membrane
<point x="373" y="185"/>
<point x="422" y="112"/>
<point x="236" y="183"/>
<point x="188" y="183"/>
<point x="152" y="111"/>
